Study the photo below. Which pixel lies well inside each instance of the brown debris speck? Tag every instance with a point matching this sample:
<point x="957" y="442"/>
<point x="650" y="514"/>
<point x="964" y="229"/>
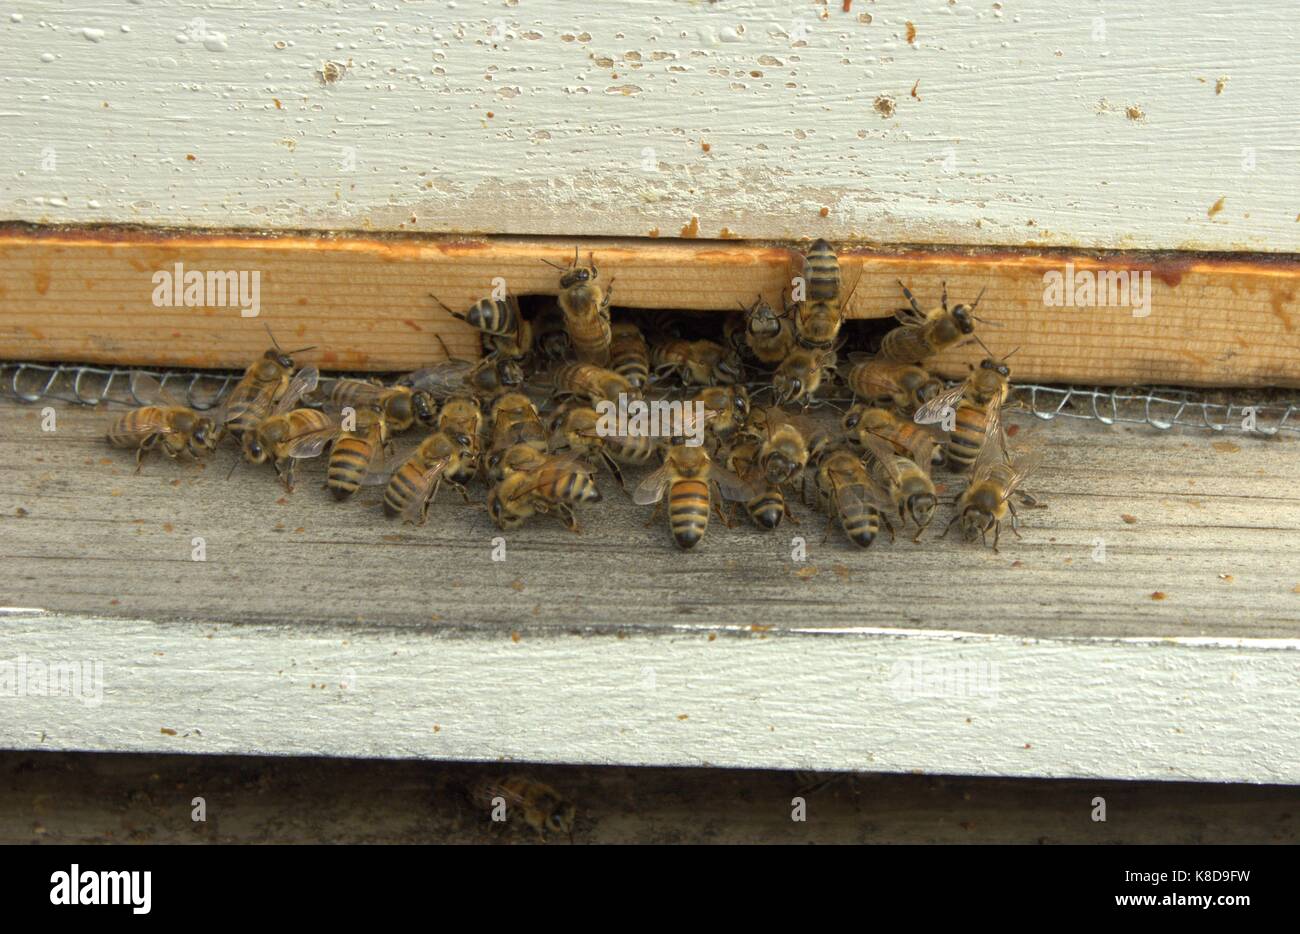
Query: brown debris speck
<point x="1216" y="207"/>
<point x="167" y="731"/>
<point x="1159" y="595"/>
<point x="911" y="33"/>
<point x="1220" y="84"/>
<point x="824" y="212"/>
<point x="884" y="106"/>
<point x="692" y="230"/>
<point x="1128" y="520"/>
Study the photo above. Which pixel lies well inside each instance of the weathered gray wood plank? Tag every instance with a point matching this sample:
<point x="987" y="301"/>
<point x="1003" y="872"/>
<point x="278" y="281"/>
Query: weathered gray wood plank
<point x="1216" y="529"/>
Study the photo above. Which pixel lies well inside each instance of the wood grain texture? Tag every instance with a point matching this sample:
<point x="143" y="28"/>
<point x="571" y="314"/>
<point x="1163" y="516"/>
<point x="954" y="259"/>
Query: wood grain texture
<point x="365" y="301"/>
<point x="320" y="628"/>
<point x="1214" y="529"/>
<point x="919" y="121"/>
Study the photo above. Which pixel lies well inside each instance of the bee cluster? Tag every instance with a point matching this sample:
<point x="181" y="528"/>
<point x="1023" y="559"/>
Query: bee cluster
<point x="532" y="418"/>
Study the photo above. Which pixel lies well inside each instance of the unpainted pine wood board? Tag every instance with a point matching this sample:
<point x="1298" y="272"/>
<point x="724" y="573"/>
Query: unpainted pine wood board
<point x="1199" y="536"/>
<point x="86" y="798"/>
<point x="365" y="302"/>
<point x="1055" y="123"/>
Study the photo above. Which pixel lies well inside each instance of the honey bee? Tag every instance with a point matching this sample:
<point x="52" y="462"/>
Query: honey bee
<point x="446" y="455"/>
<point x="514" y="421"/>
<point x="574" y="429"/>
<point x="905" y="479"/>
<point x="261" y="386"/>
<point x="591" y="383"/>
<point x="688" y="476"/>
<point x="701" y="363"/>
<point x="903" y="435"/>
<point x="801" y="374"/>
<point x="768" y="505"/>
<point x="818" y="317"/>
<point x="552" y="487"/>
<point x="586" y="310"/>
<point x="291" y="434"/>
<point x="730" y="408"/>
<point x="923" y="333"/>
<point x="461" y="415"/>
<point x="485" y="377"/>
<point x="629" y="356"/>
<point x="538" y="805"/>
<point x="180" y="430"/>
<point x="356" y="453"/>
<point x="977" y="415"/>
<point x="986" y="501"/>
<point x="550" y="337"/>
<point x="505" y="331"/>
<point x="768" y="335"/>
<point x="849" y="494"/>
<point x="879" y="381"/>
<point x="402" y="405"/>
<point x="784" y="451"/>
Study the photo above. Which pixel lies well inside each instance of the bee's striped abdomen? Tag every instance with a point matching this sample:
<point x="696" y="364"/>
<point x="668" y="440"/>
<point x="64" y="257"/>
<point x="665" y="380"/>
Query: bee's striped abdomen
<point x="968" y="436"/>
<point x="688" y="511"/>
<point x="349" y="460"/>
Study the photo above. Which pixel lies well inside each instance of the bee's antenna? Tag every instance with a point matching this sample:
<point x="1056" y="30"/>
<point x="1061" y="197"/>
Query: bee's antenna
<point x="975" y="304"/>
<point x="444" y="307"/>
<point x="274" y="343"/>
<point x="591" y="257"/>
<point x="445" y="348"/>
<point x="302" y="350"/>
<point x="238" y="460"/>
<point x="982" y="344"/>
<point x="1010" y="355"/>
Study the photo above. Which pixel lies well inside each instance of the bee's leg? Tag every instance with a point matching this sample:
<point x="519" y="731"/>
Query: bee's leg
<point x="907" y="293"/>
<point x="565" y="512"/>
<point x="1030" y="501"/>
<point x="830" y="523"/>
<point x="922" y="528"/>
<point x="889" y="525"/>
<point x="1015" y="522"/>
<point x="613" y="468"/>
<point x="945" y="297"/>
<point x="716" y="503"/>
<point x="785" y="505"/>
<point x="140" y="451"/>
<point x="997" y="534"/>
<point x="654" y="516"/>
<point x="948" y="528"/>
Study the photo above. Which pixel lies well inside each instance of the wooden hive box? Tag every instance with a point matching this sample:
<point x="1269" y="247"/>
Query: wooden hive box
<point x="1145" y="626"/>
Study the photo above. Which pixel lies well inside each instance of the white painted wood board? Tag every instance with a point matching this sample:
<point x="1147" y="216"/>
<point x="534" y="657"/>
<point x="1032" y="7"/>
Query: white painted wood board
<point x="884" y="701"/>
<point x="1053" y="122"/>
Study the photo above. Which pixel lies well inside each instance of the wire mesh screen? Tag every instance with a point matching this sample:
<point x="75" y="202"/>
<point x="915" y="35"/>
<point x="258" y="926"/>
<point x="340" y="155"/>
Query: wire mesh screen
<point x="1160" y="408"/>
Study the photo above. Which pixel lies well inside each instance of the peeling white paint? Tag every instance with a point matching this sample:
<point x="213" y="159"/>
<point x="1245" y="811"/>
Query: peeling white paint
<point x="882" y="701"/>
<point x="532" y="118"/>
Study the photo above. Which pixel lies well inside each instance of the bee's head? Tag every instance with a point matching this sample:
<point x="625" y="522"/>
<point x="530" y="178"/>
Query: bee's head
<point x="424" y="407"/>
<point x="920" y="506"/>
<point x="965" y="319"/>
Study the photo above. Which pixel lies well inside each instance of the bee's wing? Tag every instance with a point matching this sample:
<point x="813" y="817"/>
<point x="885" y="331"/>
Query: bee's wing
<point x="934" y="410"/>
<point x="883" y="452"/>
<point x="361" y="391"/>
<point x="142" y="429"/>
<point x="415" y="504"/>
<point x="918" y="446"/>
<point x="651" y="489"/>
<point x="303" y="382"/>
<point x="555" y="463"/>
<point x="311" y="443"/>
<point x="440" y="380"/>
<point x="858" y="358"/>
<point x="258" y="403"/>
<point x="149" y="391"/>
<point x="375" y="475"/>
<point x="731" y="486"/>
<point x="1023" y="463"/>
<point x="486" y="791"/>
